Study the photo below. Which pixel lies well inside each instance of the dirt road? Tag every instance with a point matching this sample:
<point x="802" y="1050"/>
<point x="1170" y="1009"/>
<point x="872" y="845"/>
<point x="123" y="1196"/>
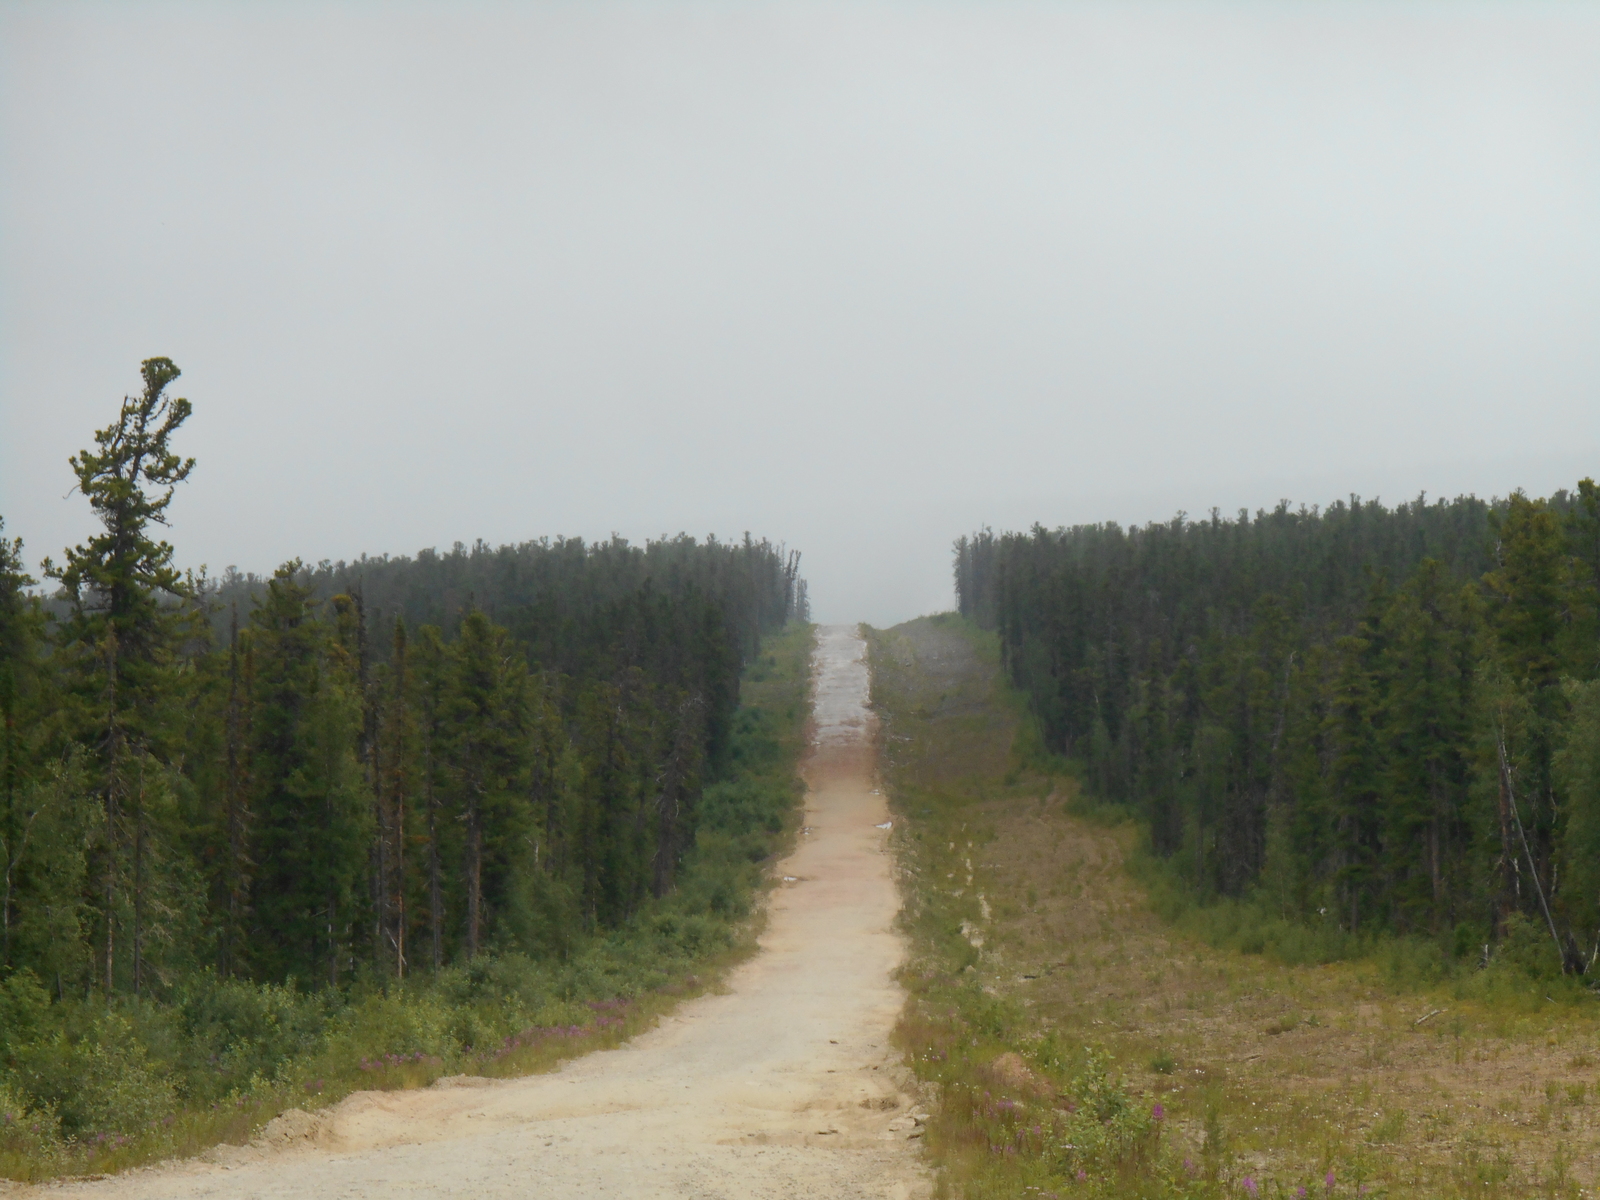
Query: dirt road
<point x="785" y="1085"/>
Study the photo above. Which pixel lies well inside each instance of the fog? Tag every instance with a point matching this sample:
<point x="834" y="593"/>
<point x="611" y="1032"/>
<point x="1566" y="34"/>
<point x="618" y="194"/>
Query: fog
<point x="857" y="277"/>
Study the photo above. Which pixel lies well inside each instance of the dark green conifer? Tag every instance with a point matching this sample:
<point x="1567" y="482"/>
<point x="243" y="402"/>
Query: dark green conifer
<point x="312" y="825"/>
<point x="129" y="609"/>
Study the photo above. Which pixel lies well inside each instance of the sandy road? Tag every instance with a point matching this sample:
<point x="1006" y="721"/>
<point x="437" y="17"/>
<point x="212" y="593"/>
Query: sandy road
<point x="783" y="1086"/>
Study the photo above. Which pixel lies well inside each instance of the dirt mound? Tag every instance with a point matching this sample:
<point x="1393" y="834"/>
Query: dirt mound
<point x="290" y="1126"/>
<point x="1010" y="1073"/>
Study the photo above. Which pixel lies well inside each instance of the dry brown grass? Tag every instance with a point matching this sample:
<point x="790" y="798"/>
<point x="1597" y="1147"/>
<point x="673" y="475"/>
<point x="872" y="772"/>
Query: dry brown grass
<point x="1309" y="1067"/>
<point x="1289" y="1071"/>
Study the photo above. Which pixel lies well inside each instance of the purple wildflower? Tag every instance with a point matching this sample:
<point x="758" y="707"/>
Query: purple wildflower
<point x="1328" y="1182"/>
<point x="1250" y="1186"/>
<point x="1300" y="1192"/>
<point x="1157" y="1113"/>
<point x="1082" y="1175"/>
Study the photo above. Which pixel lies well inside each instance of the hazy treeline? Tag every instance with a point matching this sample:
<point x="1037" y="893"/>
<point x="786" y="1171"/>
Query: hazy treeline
<point x="1384" y="718"/>
<point x="574" y="605"/>
<point x="376" y="767"/>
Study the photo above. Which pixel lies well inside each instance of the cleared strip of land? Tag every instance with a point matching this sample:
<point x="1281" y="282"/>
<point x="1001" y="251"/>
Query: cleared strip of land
<point x="1029" y="927"/>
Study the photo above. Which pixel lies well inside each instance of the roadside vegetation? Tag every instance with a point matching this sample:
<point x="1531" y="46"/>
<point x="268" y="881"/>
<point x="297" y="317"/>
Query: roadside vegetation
<point x="359" y="826"/>
<point x="1087" y="1036"/>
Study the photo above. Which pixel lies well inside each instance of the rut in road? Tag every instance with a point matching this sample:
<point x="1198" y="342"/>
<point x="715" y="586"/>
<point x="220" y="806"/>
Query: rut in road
<point x="785" y="1085"/>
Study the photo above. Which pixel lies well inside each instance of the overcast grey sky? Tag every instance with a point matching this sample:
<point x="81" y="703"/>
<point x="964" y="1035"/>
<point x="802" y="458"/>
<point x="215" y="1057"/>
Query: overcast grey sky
<point x="858" y="277"/>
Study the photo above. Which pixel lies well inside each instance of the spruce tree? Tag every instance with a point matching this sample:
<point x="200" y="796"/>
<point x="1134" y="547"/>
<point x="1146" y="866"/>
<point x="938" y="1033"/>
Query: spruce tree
<point x="1529" y="610"/>
<point x="1427" y="725"/>
<point x="1583" y="532"/>
<point x="129" y="609"/>
<point x="312" y="824"/>
<point x="398" y="769"/>
<point x="44" y="808"/>
<point x="487" y="748"/>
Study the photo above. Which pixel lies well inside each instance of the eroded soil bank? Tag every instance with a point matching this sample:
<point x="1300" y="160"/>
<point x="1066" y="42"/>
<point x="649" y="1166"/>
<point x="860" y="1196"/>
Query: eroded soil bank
<point x="784" y="1085"/>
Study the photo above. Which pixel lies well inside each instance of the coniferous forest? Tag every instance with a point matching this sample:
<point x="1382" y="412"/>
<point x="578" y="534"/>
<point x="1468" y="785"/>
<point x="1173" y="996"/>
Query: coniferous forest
<point x="1362" y="720"/>
<point x="229" y="807"/>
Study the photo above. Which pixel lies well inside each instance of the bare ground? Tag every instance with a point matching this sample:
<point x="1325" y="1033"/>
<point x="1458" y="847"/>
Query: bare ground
<point x="783" y="1085"/>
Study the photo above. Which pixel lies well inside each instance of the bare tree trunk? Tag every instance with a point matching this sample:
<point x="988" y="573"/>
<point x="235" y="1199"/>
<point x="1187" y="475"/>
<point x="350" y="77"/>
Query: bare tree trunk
<point x="333" y="903"/>
<point x="1508" y="856"/>
<point x="16" y="843"/>
<point x="231" y="798"/>
<point x="474" y="870"/>
<point x="435" y="894"/>
<point x="113" y="784"/>
<point x="5" y="906"/>
<point x="15" y="839"/>
<point x="333" y="944"/>
<point x="1437" y="870"/>
<point x="398" y="716"/>
<point x="233" y="881"/>
<point x="138" y="884"/>
<point x="685" y="741"/>
<point x="1533" y="867"/>
<point x="369" y="752"/>
<point x="400" y="891"/>
<point x="380" y="862"/>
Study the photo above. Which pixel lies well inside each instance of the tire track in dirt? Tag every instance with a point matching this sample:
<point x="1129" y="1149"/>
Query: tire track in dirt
<point x="783" y="1086"/>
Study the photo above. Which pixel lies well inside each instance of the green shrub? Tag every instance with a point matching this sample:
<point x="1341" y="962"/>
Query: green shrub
<point x="102" y="1084"/>
<point x="24" y="1011"/>
<point x="407" y="1022"/>
<point x="1526" y="948"/>
<point x="234" y="1031"/>
<point x="29" y="1131"/>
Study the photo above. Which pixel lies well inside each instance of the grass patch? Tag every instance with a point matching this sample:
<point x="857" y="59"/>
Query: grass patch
<point x="90" y="1087"/>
